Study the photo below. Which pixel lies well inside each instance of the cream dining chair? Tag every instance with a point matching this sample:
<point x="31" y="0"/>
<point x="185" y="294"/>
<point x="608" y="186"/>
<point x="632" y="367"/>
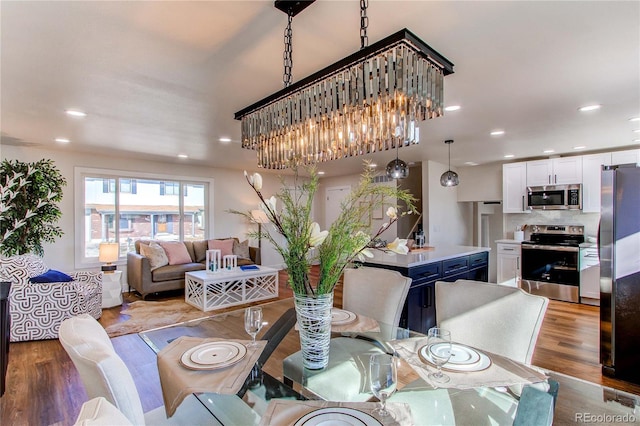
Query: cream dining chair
<point x="373" y="292"/>
<point x="499" y="319"/>
<point x="105" y="374"/>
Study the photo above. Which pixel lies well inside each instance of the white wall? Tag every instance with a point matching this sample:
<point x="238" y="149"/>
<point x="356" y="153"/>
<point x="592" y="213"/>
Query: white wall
<point x="480" y="183"/>
<point x="448" y="222"/>
<point x="230" y="192"/>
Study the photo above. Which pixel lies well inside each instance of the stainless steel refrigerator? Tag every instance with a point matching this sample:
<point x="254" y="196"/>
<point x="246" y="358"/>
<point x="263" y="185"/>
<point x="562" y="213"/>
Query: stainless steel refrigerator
<point x="619" y="243"/>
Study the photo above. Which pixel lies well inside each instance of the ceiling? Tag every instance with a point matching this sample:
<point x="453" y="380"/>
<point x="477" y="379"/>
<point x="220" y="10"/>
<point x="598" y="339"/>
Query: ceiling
<point x="158" y="79"/>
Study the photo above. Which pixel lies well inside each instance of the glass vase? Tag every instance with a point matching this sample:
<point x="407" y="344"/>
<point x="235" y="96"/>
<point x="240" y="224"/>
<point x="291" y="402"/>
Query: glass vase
<point x="314" y="322"/>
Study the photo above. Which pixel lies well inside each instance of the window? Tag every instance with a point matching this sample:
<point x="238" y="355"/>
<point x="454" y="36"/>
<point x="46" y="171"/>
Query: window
<point x="144" y="207"/>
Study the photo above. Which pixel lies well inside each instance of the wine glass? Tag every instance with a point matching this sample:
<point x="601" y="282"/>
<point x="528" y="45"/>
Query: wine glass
<point x="383" y="376"/>
<point x="253" y="323"/>
<point x="439" y="347"/>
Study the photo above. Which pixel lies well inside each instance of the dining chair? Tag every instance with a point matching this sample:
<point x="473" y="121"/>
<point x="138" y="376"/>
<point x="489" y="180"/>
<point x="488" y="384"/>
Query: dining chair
<point x="499" y="319"/>
<point x="376" y="293"/>
<point x="104" y="374"/>
<point x="373" y="292"/>
<point x="100" y="412"/>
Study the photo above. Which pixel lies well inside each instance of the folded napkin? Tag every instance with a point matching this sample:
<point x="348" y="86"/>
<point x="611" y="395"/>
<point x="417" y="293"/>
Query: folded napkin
<point x="178" y="381"/>
<point x="502" y="372"/>
<point x="360" y="325"/>
<point x="287" y="412"/>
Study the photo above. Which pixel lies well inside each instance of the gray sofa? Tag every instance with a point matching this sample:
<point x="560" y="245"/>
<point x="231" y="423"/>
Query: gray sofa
<point x="170" y="277"/>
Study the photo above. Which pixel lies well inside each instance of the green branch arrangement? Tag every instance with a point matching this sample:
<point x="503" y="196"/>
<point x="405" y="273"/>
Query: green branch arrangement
<point x="345" y="241"/>
<point x="29" y="193"/>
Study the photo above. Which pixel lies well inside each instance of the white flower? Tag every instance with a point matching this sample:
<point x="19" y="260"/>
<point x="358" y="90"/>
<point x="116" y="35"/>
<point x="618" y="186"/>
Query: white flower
<point x="398" y="246"/>
<point x="269" y="204"/>
<point x="257" y="181"/>
<point x="248" y="178"/>
<point x="317" y="237"/>
<point x="364" y="253"/>
<point x="392" y="212"/>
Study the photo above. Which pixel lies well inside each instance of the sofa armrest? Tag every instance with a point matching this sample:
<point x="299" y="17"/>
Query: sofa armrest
<point x="138" y="272"/>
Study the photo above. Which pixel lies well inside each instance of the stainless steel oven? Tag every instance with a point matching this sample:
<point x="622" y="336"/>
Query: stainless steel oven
<point x="551" y="262"/>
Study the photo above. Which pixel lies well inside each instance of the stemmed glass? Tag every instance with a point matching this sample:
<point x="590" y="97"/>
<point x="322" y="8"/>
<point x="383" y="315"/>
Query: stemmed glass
<point x="253" y="323"/>
<point x="383" y="376"/>
<point x="439" y="347"/>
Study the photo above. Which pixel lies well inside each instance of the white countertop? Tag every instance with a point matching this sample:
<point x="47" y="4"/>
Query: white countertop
<point x="423" y="257"/>
<point x="507" y="241"/>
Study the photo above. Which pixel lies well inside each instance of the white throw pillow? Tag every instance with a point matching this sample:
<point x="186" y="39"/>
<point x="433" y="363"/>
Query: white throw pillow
<point x="155" y="253"/>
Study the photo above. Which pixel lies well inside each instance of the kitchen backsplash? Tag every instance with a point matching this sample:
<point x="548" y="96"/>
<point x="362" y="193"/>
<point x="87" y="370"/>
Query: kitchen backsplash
<point x="513" y="221"/>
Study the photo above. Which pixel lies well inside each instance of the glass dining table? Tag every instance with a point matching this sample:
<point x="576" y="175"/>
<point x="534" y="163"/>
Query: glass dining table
<point x="277" y="375"/>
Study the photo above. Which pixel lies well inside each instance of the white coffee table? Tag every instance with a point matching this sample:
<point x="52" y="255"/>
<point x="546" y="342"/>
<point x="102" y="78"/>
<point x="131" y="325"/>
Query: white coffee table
<point x="215" y="290"/>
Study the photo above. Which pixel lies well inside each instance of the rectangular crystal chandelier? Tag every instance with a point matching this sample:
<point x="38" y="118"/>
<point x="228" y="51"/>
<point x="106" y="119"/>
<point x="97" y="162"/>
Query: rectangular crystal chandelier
<point x="369" y="101"/>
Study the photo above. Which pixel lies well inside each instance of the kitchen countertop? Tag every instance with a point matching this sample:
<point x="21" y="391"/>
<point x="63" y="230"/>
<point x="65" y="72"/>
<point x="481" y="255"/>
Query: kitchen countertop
<point x="507" y="241"/>
<point x="434" y="254"/>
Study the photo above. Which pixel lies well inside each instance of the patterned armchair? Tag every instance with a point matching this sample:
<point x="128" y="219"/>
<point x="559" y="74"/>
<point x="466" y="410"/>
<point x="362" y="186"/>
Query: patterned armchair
<point x="38" y="309"/>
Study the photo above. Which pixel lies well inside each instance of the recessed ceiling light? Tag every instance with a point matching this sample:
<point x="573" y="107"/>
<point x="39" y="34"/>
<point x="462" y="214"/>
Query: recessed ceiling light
<point x="579" y="147"/>
<point x="636" y="131"/>
<point x="497" y="133"/>
<point x="471" y="163"/>
<point x="373" y="165"/>
<point x="636" y="140"/>
<point x="225" y="139"/>
<point x="634" y="119"/>
<point x="183" y="156"/>
<point x="321" y="173"/>
<point x="548" y="151"/>
<point x="509" y="156"/>
<point x="589" y="108"/>
<point x="76" y="113"/>
<point x="62" y="140"/>
<point x="452" y="108"/>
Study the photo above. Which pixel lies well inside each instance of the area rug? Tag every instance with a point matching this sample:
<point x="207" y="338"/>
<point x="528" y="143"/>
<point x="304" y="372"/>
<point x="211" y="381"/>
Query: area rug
<point x="146" y="315"/>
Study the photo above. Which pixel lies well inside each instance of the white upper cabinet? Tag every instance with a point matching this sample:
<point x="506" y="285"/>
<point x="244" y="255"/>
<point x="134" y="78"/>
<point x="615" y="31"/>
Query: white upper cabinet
<point x="555" y="171"/>
<point x="514" y="185"/>
<point x="591" y="168"/>
<point x="625" y="157"/>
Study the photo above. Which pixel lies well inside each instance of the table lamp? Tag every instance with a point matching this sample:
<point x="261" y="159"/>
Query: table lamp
<point x="109" y="253"/>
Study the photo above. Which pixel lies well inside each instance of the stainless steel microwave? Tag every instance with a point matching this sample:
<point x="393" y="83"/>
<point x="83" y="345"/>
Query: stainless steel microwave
<point x="554" y="197"/>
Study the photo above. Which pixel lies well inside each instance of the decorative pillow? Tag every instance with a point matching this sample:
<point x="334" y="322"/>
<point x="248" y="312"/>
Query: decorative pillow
<point x="241" y="249"/>
<point x="18" y="269"/>
<point x="200" y="250"/>
<point x="156" y="255"/>
<point x="225" y="246"/>
<point x="51" y="276"/>
<point x="176" y="252"/>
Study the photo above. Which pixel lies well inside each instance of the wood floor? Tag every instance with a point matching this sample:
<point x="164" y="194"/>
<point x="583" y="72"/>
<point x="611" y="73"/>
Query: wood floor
<point x="43" y="386"/>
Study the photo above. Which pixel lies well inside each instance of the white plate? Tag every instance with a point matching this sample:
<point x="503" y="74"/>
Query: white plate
<point x="336" y="416"/>
<point x="340" y="316"/>
<point x="213" y="355"/>
<point x="460" y="354"/>
<point x="482" y="363"/>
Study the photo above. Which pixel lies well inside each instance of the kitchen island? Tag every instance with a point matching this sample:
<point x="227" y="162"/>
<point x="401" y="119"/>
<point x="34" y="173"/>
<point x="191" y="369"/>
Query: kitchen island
<point x="425" y="267"/>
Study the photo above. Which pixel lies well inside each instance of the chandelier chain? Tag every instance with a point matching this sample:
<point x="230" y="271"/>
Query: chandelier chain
<point x="288" y="53"/>
<point x="364" y="23"/>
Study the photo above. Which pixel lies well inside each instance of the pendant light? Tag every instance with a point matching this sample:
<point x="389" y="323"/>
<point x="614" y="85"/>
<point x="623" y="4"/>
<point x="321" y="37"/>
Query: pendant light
<point x="397" y="169"/>
<point x="449" y="178"/>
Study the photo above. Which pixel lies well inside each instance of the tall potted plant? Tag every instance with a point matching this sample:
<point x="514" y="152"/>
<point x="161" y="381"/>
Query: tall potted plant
<point x="29" y="193"/>
<point x="347" y="239"/>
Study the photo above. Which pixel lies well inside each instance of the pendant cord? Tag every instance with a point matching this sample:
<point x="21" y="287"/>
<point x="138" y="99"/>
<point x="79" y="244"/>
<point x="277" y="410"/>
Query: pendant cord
<point x="288" y="52"/>
<point x="364" y="23"/>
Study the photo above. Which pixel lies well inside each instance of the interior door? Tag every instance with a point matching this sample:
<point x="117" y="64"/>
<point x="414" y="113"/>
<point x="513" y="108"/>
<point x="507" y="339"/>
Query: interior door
<point x="332" y="207"/>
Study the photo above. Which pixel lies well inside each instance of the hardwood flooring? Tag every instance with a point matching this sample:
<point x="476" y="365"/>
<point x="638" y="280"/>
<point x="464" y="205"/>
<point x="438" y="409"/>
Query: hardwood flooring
<point x="43" y="386"/>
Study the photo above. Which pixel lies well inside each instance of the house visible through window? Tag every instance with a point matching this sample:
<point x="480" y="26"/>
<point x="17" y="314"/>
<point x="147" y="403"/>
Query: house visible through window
<point x="142" y="208"/>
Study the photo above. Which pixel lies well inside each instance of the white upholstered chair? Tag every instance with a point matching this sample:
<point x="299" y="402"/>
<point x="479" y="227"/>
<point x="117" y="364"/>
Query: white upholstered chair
<point x="372" y="292"/>
<point x="376" y="293"/>
<point x="104" y="374"/>
<point x="100" y="412"/>
<point x="499" y="319"/>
